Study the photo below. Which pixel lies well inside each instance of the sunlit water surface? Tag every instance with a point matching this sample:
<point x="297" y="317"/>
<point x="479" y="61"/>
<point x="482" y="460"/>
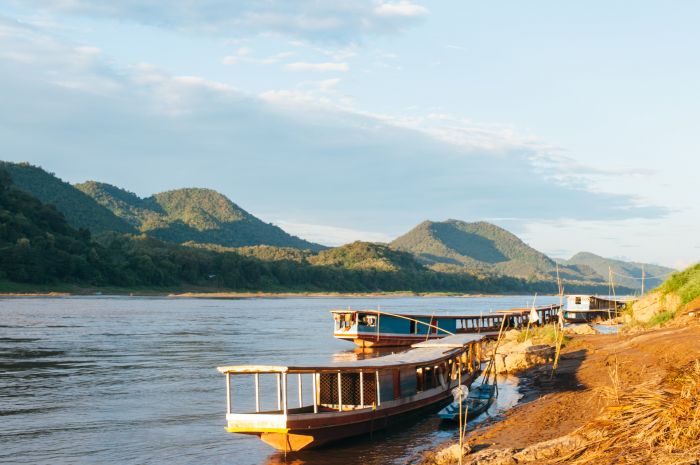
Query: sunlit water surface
<point x="133" y="380"/>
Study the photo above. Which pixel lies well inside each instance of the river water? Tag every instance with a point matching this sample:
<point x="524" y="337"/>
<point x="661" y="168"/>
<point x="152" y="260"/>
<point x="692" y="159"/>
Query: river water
<point x="133" y="380"/>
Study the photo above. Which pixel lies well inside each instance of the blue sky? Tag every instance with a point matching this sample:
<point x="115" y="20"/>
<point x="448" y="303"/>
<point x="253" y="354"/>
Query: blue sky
<point x="573" y="125"/>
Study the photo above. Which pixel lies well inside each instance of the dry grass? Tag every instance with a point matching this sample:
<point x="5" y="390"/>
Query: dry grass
<point x="646" y="425"/>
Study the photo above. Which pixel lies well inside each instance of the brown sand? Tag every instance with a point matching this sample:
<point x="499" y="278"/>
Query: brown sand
<point x="556" y="406"/>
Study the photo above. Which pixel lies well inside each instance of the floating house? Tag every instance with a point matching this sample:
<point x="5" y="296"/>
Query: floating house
<point x="375" y="328"/>
<point x="587" y="308"/>
<point x="346" y="399"/>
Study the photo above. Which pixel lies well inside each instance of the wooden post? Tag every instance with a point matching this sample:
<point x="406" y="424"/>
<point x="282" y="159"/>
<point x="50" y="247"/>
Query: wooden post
<point x="228" y="392"/>
<point x="315" y="393"/>
<point x="362" y="390"/>
<point x="257" y="392"/>
<point x="279" y="391"/>
<point x="301" y="400"/>
<point x="284" y="393"/>
<point x="379" y="400"/>
<point x="340" y="393"/>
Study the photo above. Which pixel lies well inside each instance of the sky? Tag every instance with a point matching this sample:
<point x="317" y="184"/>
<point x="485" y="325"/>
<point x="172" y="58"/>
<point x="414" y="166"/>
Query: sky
<point x="572" y="124"/>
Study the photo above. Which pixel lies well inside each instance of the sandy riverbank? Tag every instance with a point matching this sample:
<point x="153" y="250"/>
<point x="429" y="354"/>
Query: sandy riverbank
<point x="243" y="295"/>
<point x="558" y="412"/>
<point x="236" y="295"/>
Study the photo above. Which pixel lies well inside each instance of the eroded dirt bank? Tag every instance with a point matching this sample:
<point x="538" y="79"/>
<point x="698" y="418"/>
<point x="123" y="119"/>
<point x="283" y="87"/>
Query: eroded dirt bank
<point x="566" y="409"/>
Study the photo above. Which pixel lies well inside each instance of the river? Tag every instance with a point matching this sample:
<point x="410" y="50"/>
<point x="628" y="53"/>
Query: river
<point x="133" y="380"/>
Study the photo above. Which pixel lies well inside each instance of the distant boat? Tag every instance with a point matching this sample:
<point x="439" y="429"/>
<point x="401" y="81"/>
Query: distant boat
<point x="351" y="398"/>
<point x="375" y="328"/>
<point x="587" y="308"/>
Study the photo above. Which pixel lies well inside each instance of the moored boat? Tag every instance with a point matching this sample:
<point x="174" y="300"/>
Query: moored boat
<point x="476" y="402"/>
<point x="376" y="328"/>
<point x="345" y="399"/>
<point x="588" y="308"/>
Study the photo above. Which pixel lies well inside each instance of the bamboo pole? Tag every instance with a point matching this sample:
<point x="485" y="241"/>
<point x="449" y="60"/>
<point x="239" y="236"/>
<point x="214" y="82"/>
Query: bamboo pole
<point x="379" y="312"/>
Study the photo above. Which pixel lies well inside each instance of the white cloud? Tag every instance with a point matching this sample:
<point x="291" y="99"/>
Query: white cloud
<point x="88" y="50"/>
<point x="301" y="152"/>
<point x="326" y="20"/>
<point x="331" y="235"/>
<point x="401" y="9"/>
<point x="328" y="84"/>
<point x="229" y="60"/>
<point x="304" y="66"/>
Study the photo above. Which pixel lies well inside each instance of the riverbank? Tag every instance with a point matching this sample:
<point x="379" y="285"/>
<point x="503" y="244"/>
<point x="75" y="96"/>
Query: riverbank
<point x="562" y="415"/>
<point x="8" y="289"/>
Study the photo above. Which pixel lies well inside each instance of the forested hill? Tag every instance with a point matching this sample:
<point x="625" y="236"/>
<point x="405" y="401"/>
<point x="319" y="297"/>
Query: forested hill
<point x="39" y="247"/>
<point x="182" y="215"/>
<point x="79" y="209"/>
<point x="192" y="215"/>
<point x="482" y="248"/>
<point x="624" y="273"/>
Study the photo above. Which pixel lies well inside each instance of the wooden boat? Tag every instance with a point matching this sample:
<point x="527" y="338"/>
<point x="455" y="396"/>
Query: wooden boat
<point x="350" y="398"/>
<point x="479" y="399"/>
<point x="588" y="308"/>
<point x="375" y="328"/>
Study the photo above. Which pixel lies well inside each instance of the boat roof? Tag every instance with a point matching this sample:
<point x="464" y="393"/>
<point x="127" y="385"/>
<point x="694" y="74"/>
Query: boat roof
<point x="612" y="298"/>
<point x="422" y="353"/>
<point x="510" y="311"/>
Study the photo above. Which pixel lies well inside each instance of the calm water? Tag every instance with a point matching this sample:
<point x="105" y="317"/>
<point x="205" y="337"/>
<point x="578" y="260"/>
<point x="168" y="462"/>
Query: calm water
<point x="133" y="380"/>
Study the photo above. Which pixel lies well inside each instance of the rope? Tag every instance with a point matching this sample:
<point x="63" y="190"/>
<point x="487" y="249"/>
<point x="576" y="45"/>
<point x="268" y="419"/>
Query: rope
<point x="645" y="277"/>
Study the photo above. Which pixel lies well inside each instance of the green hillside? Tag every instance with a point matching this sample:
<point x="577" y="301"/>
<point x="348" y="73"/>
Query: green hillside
<point x="483" y="248"/>
<point x="192" y="215"/>
<point x="80" y="210"/>
<point x="37" y="245"/>
<point x="625" y="273"/>
<point x="39" y="248"/>
<point x="366" y="256"/>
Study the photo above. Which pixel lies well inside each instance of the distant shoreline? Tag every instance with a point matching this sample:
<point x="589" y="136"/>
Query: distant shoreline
<point x="245" y="295"/>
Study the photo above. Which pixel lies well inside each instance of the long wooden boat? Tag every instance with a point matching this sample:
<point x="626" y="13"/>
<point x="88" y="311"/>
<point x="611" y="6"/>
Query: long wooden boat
<point x="350" y="398"/>
<point x="375" y="328"/>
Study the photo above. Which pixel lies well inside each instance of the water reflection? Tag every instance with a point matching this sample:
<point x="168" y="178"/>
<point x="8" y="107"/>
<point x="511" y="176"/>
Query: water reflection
<point x="397" y="445"/>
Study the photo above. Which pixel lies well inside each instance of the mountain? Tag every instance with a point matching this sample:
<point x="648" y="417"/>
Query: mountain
<point x="625" y="273"/>
<point x="39" y="249"/>
<point x="37" y="245"/>
<point x="79" y="209"/>
<point x="191" y="215"/>
<point x="366" y="256"/>
<point x="482" y="248"/>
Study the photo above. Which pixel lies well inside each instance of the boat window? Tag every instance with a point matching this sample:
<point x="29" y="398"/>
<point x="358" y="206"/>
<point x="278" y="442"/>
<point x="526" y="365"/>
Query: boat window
<point x="412" y="327"/>
<point x="578" y="301"/>
<point x="328" y="389"/>
<point x="371" y="320"/>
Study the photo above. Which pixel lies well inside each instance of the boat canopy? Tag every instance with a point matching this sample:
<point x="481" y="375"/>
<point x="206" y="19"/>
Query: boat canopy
<point x="423" y="353"/>
<point x="508" y="312"/>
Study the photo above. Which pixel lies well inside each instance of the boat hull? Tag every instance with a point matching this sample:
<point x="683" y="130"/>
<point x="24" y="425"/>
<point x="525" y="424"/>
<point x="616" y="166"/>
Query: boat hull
<point x="303" y="435"/>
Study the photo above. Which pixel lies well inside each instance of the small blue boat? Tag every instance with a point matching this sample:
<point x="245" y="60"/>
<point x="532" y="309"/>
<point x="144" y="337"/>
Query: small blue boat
<point x="474" y="404"/>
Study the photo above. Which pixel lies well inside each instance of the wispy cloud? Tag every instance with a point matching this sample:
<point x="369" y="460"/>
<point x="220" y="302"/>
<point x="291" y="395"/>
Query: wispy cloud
<point x="335" y="20"/>
<point x="401" y="9"/>
<point x="302" y="152"/>
<point x="331" y="235"/>
<point x="328" y="66"/>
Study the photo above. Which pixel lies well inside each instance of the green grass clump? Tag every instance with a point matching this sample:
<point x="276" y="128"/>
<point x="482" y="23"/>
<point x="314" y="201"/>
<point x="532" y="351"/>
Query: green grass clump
<point x="540" y="334"/>
<point x="660" y="318"/>
<point x="685" y="284"/>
